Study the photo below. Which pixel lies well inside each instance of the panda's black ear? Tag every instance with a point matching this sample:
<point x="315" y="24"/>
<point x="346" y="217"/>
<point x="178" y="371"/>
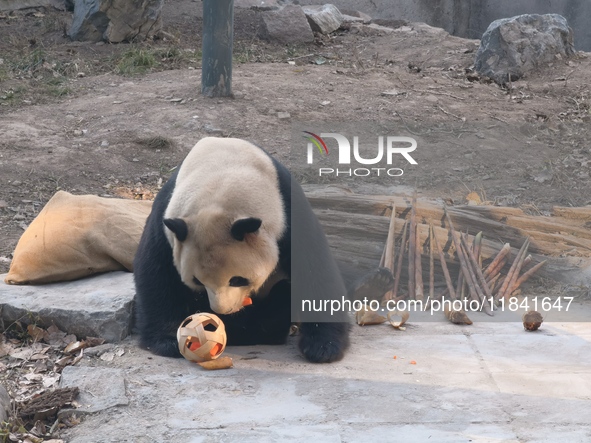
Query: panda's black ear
<point x="178" y="226"/>
<point x="245" y="226"/>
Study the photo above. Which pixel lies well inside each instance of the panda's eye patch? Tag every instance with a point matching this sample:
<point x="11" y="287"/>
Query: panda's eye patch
<point x="197" y="282"/>
<point x="239" y="281"/>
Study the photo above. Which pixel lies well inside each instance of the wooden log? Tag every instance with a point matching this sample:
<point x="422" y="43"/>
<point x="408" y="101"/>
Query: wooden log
<point x="552" y="236"/>
<point x="582" y="213"/>
<point x="358" y="239"/>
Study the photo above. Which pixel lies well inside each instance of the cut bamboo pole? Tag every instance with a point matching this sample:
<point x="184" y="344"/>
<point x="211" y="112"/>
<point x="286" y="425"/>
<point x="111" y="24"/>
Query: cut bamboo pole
<point x="497" y="271"/>
<point x="419" y="287"/>
<point x="448" y="282"/>
<point x="526" y="276"/>
<point x="390" y="243"/>
<point x="503" y="253"/>
<point x="412" y="238"/>
<point x="389" y="256"/>
<point x="475" y="291"/>
<point x="400" y="258"/>
<point x="463" y="266"/>
<point x="515" y="267"/>
<point x="431" y="264"/>
<point x="487" y="302"/>
<point x="476" y="247"/>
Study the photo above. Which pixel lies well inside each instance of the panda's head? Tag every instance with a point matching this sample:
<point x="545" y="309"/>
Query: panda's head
<point x="230" y="256"/>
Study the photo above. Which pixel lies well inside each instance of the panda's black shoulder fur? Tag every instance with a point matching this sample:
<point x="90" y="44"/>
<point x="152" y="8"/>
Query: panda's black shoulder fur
<point x="163" y="301"/>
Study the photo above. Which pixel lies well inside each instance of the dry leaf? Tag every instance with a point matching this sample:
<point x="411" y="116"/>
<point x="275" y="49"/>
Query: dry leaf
<point x="50" y="380"/>
<point x="37" y="333"/>
<point x="402" y="318"/>
<point x="64" y="361"/>
<point x="365" y="317"/>
<point x="22" y="354"/>
<point x="5" y="349"/>
<point x="78" y="357"/>
<point x="119" y="352"/>
<point x="93" y="341"/>
<point x="473" y="199"/>
<point x="75" y="346"/>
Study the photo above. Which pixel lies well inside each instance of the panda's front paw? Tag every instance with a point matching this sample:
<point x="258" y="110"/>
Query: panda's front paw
<point x="324" y="342"/>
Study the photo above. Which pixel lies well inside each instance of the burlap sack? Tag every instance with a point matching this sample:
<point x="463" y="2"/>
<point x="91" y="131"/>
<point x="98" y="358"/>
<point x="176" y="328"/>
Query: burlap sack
<point x="78" y="235"/>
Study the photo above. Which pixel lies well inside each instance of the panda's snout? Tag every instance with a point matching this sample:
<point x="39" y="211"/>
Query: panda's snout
<point x="224" y="303"/>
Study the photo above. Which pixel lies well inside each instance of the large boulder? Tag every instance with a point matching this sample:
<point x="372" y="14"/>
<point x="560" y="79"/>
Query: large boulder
<point x="513" y="47"/>
<point x="324" y="19"/>
<point x="115" y="20"/>
<point x="286" y="25"/>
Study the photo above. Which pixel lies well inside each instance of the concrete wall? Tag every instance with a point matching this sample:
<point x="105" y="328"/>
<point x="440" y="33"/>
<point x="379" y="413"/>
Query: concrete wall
<point x="470" y="18"/>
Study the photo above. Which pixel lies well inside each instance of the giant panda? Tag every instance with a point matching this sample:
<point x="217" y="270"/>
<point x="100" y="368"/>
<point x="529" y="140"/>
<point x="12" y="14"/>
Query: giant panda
<point x="220" y="231"/>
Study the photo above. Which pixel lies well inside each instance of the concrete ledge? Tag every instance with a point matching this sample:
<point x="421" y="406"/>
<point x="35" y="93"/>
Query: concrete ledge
<point x="99" y="306"/>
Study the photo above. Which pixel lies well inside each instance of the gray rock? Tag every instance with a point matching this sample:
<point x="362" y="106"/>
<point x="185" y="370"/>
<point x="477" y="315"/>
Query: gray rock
<point x="4" y="404"/>
<point x="513" y="47"/>
<point x="371" y="29"/>
<point x="100" y="388"/>
<point x="14" y="5"/>
<point x="352" y="19"/>
<point x="365" y="18"/>
<point x="257" y="5"/>
<point x="286" y="25"/>
<point x="115" y="20"/>
<point x="98" y="306"/>
<point x="324" y="19"/>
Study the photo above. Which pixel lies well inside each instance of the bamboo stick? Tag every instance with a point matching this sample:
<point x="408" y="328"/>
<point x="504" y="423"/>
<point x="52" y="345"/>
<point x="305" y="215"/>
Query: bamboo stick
<point x="514" y="267"/>
<point x="390" y="243"/>
<point x="400" y="258"/>
<point x="419" y="287"/>
<point x="448" y="282"/>
<point x="504" y="252"/>
<point x="487" y="302"/>
<point x="431" y="264"/>
<point x="461" y="258"/>
<point x="526" y="276"/>
<point x="412" y="237"/>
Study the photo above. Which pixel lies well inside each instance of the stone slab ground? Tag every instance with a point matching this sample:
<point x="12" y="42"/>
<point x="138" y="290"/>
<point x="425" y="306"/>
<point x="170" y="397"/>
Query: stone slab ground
<point x="489" y="382"/>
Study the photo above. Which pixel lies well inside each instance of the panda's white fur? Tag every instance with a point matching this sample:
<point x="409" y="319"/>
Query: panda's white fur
<point x="219" y="182"/>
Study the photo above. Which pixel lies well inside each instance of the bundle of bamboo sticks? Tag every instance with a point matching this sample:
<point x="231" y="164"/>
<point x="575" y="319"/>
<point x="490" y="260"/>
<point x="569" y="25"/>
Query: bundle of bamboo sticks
<point x="484" y="285"/>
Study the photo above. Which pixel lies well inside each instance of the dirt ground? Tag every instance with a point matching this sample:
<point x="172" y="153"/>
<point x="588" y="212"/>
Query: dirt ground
<point x="115" y="119"/>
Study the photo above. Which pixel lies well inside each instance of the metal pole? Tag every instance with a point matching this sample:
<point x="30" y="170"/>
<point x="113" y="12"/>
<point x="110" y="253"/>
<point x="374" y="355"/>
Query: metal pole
<point x="218" y="37"/>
